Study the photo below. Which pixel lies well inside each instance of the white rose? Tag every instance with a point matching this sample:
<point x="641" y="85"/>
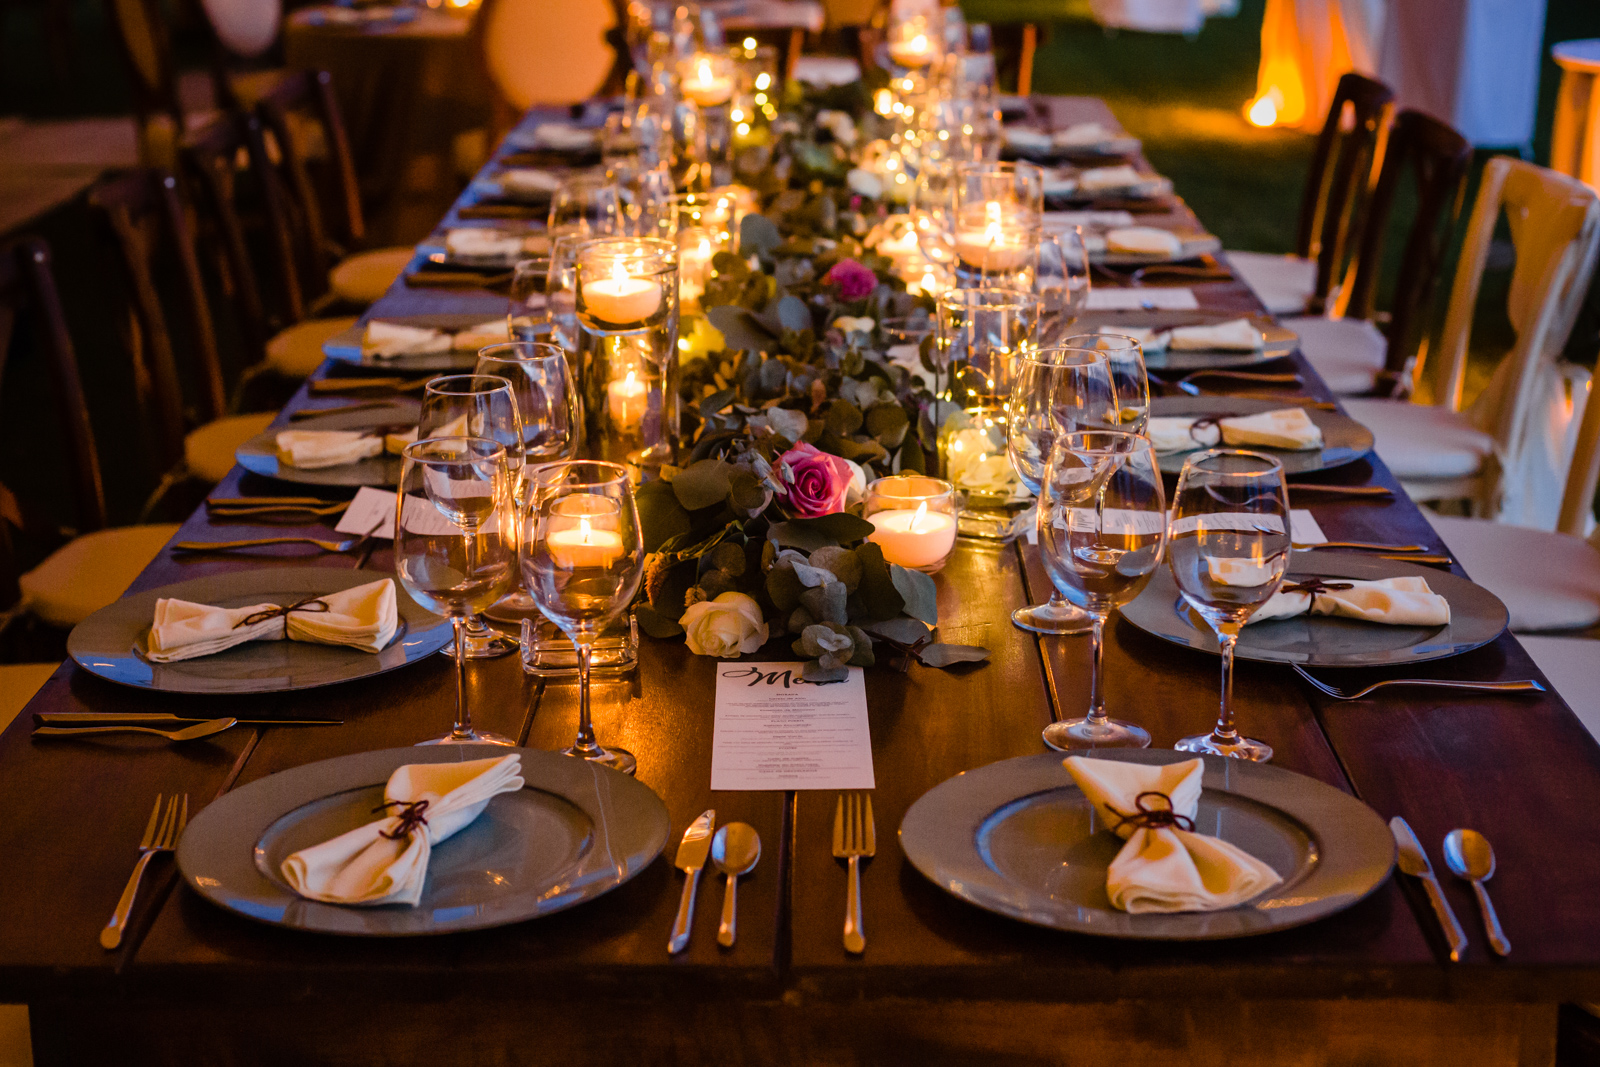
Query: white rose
<point x="973" y="463"/>
<point x="858" y="483"/>
<point x="854" y="324"/>
<point x="724" y="627"/>
<point x="864" y="183"/>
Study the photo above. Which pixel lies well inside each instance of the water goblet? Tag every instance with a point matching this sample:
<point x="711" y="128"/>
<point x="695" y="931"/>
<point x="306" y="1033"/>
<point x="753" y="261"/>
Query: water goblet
<point x="1102" y="527"/>
<point x="455" y="543"/>
<point x="1128" y="376"/>
<point x="585" y="205"/>
<point x="527" y="308"/>
<point x="1228" y="549"/>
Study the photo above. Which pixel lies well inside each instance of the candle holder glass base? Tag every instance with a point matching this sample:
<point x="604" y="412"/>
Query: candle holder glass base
<point x="547" y="652"/>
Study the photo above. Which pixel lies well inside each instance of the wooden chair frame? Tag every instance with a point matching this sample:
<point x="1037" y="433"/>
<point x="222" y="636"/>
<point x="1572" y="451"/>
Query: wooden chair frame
<point x="1347" y="159"/>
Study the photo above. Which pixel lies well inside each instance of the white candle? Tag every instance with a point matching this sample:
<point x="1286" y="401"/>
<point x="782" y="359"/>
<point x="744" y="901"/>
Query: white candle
<point x="999" y="244"/>
<point x="694" y="267"/>
<point x="916" y="52"/>
<point x="627" y="400"/>
<point x="705" y="88"/>
<point x="584" y="546"/>
<point x="918" y="538"/>
<point x="899" y="248"/>
<point x="622" y="297"/>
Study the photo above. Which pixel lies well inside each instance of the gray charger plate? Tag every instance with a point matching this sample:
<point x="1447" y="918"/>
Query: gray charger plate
<point x="1018" y="838"/>
<point x="1195" y="244"/>
<point x="1344" y="440"/>
<point x="109" y="643"/>
<point x="574" y="833"/>
<point x="259" y="455"/>
<point x="345" y="346"/>
<point x="1476" y="617"/>
<point x="1277" y="341"/>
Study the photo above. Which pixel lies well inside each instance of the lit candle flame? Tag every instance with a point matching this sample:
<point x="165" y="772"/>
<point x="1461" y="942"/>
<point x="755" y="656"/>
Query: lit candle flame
<point x="919" y="43"/>
<point x="619" y="272"/>
<point x="583" y="529"/>
<point x="922" y="513"/>
<point x="705" y="248"/>
<point x="705" y="70"/>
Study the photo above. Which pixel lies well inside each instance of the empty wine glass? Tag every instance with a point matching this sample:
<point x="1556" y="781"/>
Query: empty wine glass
<point x="1102" y="525"/>
<point x="1062" y="280"/>
<point x="455" y="544"/>
<point x="585" y="205"/>
<point x="561" y="290"/>
<point x="1128" y="377"/>
<point x="649" y="202"/>
<point x="1229" y="548"/>
<point x="475" y="405"/>
<point x="582" y="561"/>
<point x="527" y="309"/>
<point x="1057" y="391"/>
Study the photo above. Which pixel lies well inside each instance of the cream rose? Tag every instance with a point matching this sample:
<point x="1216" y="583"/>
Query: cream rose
<point x="973" y="463"/>
<point x="724" y="627"/>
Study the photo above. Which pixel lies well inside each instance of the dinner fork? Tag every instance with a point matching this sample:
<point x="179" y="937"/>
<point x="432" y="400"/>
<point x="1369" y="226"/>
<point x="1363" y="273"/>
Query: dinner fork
<point x="245" y="510"/>
<point x="334" y="386"/>
<point x="854" y="837"/>
<point x="162" y="839"/>
<point x="230" y="546"/>
<point x="1527" y="685"/>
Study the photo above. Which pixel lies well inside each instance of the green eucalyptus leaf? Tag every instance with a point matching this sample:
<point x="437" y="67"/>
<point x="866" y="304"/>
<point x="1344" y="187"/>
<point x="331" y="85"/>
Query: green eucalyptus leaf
<point x="817" y="674"/>
<point x="888" y="423"/>
<point x="843" y="418"/>
<point x="918" y="591"/>
<point x="840" y="528"/>
<point x="826" y="602"/>
<point x="784" y="587"/>
<point x="878" y="593"/>
<point x="758" y="234"/>
<point x="661" y="517"/>
<point x="942" y="655"/>
<point x="703" y="484"/>
<point x="741" y="329"/>
<point x="793" y="314"/>
<point x="913" y="460"/>
<point x="716" y="402"/>
<point x="901" y="628"/>
<point x="656" y="624"/>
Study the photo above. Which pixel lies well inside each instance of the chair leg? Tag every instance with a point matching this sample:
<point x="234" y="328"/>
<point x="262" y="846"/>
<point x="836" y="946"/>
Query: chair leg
<point x="1030" y="44"/>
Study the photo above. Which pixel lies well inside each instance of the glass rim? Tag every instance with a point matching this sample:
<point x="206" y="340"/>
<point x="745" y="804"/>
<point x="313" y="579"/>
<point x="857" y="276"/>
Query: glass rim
<point x="878" y="485"/>
<point x="438" y="385"/>
<point x="1195" y="461"/>
<point x="486" y="351"/>
<point x="957" y="299"/>
<point x="1067" y="342"/>
<point x="544" y="473"/>
<point x="1040" y="356"/>
<point x="413" y="451"/>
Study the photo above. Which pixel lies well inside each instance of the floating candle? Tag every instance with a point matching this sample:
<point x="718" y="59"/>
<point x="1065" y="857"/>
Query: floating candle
<point x="998" y="245"/>
<point x="705" y="87"/>
<point x="584" y="546"/>
<point x="919" y="538"/>
<point x="622" y="297"/>
<point x="626" y="401"/>
<point x="915" y="52"/>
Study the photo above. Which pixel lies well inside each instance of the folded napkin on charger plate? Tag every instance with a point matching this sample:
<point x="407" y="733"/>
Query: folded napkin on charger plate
<point x="364" y="617"/>
<point x="483" y="244"/>
<point x="1109" y="179"/>
<point x="530" y="181"/>
<point x="1027" y="139"/>
<point x="1144" y="240"/>
<point x="386" y="340"/>
<point x="1405" y="601"/>
<point x="1165" y="867"/>
<point x="564" y="138"/>
<point x="1056" y="221"/>
<point x="1081" y="135"/>
<point x="1235" y="335"/>
<point x="386" y="861"/>
<point x="311" y="450"/>
<point x="1289" y="429"/>
<point x="484" y="334"/>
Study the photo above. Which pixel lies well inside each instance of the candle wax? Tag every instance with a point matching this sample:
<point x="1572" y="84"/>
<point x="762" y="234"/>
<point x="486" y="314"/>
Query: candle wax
<point x="624" y="299"/>
<point x="913" y="538"/>
<point x="626" y="401"/>
<point x="584" y="547"/>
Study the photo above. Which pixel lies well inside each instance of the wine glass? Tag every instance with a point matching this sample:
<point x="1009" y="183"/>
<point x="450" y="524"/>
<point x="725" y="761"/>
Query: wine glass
<point x="650" y="206"/>
<point x="475" y="405"/>
<point x="1062" y="278"/>
<point x="1057" y="391"/>
<point x="561" y="290"/>
<point x="1102" y="526"/>
<point x="1128" y="376"/>
<point x="527" y="309"/>
<point x="585" y="205"/>
<point x="582" y="560"/>
<point x="1229" y="548"/>
<point x="455" y="545"/>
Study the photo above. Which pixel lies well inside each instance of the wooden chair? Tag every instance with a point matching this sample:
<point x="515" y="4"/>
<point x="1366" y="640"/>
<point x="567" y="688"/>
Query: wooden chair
<point x="1438" y="451"/>
<point x="150" y="230"/>
<point x="96" y="563"/>
<point x="1349" y="153"/>
<point x="327" y="213"/>
<point x="145" y="41"/>
<point x="1352" y="352"/>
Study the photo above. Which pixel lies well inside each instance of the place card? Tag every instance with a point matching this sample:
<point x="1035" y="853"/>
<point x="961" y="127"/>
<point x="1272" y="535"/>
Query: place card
<point x="1152" y="299"/>
<point x="372" y="513"/>
<point x="1303" y="528"/>
<point x="775" y="731"/>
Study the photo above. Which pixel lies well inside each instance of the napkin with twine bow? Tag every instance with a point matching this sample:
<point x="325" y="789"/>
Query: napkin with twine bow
<point x="1289" y="429"/>
<point x="1165" y="866"/>
<point x="364" y="617"/>
<point x="386" y="861"/>
<point x="1405" y="601"/>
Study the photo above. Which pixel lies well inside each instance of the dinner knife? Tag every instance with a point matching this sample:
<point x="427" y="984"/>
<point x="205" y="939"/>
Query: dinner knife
<point x="101" y="718"/>
<point x="692" y="852"/>
<point x="1414" y="861"/>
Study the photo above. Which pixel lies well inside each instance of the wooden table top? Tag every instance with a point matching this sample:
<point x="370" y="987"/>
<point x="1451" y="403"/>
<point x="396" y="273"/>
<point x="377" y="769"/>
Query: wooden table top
<point x="1522" y="770"/>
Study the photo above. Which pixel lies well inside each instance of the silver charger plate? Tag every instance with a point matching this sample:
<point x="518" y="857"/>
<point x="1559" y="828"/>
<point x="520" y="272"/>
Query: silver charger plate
<point x="259" y="455"/>
<point x="1476" y="617"/>
<point x="345" y="346"/>
<point x="573" y="833"/>
<point x="112" y="641"/>
<point x="1277" y="341"/>
<point x="1018" y="838"/>
<point x="1344" y="440"/>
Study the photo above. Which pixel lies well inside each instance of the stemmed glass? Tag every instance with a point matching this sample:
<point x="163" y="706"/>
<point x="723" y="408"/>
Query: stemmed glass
<point x="1228" y="549"/>
<point x="1062" y="280"/>
<point x="527" y="311"/>
<point x="1128" y="376"/>
<point x="455" y="545"/>
<point x="582" y="560"/>
<point x="585" y="205"/>
<point x="1058" y="391"/>
<point x="475" y="405"/>
<point x="649" y="204"/>
<point x="561" y="290"/>
<point x="1102" y="526"/>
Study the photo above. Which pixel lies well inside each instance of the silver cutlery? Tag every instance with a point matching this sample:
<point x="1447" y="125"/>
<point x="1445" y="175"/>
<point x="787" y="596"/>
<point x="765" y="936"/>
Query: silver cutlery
<point x="1364" y="546"/>
<point x="251" y="501"/>
<point x="854" y="837"/>
<point x="232" y="546"/>
<point x="156" y="718"/>
<point x="1341" y="490"/>
<point x="339" y="409"/>
<point x="1414" y="861"/>
<point x="735" y="850"/>
<point x="692" y="852"/>
<point x="1469" y="857"/>
<point x="327" y="386"/>
<point x="240" y="511"/>
<point x="160" y="835"/>
<point x="1526" y="685"/>
<point x="188" y="733"/>
<point x="1186" y="383"/>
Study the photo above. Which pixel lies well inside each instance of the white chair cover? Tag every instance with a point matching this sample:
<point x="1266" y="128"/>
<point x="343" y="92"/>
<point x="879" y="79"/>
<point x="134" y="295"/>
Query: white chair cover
<point x="543" y="53"/>
<point x="1151" y="16"/>
<point x="245" y="27"/>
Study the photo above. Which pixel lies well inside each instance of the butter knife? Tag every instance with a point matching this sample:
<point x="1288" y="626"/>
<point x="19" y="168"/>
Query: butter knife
<point x="1414" y="861"/>
<point x="101" y="718"/>
<point x="692" y="853"/>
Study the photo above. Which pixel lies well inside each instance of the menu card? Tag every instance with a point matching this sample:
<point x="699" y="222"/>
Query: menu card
<point x="1151" y="299"/>
<point x="371" y="513"/>
<point x="775" y="731"/>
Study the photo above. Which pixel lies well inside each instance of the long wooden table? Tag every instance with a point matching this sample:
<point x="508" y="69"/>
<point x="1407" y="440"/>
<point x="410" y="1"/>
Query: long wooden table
<point x="940" y="981"/>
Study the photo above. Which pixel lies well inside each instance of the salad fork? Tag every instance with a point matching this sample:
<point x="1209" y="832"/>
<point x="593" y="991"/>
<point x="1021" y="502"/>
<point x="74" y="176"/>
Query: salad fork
<point x="854" y="838"/>
<point x="161" y="835"/>
<point x="1527" y="685"/>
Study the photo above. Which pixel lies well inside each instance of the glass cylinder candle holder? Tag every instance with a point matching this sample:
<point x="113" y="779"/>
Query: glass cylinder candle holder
<point x="627" y="304"/>
<point x="915" y="39"/>
<point x="982" y="333"/>
<point x="696" y="247"/>
<point x="708" y="78"/>
<point x="915" y="520"/>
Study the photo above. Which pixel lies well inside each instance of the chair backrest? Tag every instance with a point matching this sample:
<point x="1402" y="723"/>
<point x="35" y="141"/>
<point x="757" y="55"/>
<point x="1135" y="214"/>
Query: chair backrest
<point x="150" y="230"/>
<point x="1348" y="155"/>
<point x="145" y="42"/>
<point x="1583" y="477"/>
<point x="27" y="282"/>
<point x="1438" y="158"/>
<point x="537" y="52"/>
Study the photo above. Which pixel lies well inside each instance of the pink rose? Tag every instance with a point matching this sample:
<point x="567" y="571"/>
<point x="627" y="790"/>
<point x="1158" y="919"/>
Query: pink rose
<point x="854" y="280"/>
<point x="816" y="483"/>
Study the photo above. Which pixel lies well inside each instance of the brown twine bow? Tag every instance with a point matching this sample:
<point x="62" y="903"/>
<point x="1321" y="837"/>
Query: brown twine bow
<point x="310" y="603"/>
<point x="410" y="815"/>
<point x="1203" y="424"/>
<point x="1152" y="818"/>
<point x="1315" y="586"/>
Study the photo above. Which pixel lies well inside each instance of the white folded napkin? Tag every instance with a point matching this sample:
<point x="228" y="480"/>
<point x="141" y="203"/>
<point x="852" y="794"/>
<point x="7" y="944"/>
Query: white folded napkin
<point x="1082" y="135"/>
<point x="1289" y="429"/>
<point x="564" y="138"/>
<point x="395" y="443"/>
<point x="529" y="181"/>
<point x="1027" y="139"/>
<point x="1396" y="601"/>
<point x="1165" y="868"/>
<point x="364" y="617"/>
<point x="826" y="71"/>
<point x="483" y="244"/>
<point x="493" y="332"/>
<point x="1144" y="240"/>
<point x="1089" y="220"/>
<point x="385" y="340"/>
<point x="386" y="861"/>
<point x="1235" y="335"/>
<point x="1177" y="433"/>
<point x="314" y="449"/>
